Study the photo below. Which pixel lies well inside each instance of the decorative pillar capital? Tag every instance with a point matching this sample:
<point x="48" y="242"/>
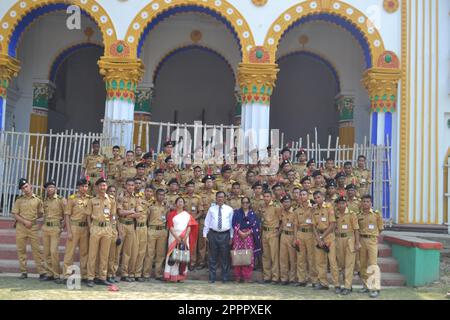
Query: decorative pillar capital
<point x="121" y="76"/>
<point x="382" y="86"/>
<point x="257" y="81"/>
<point x="9" y="68"/>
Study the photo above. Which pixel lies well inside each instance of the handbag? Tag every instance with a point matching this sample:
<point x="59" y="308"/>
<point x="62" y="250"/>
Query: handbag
<point x="242" y="257"/>
<point x="180" y="254"/>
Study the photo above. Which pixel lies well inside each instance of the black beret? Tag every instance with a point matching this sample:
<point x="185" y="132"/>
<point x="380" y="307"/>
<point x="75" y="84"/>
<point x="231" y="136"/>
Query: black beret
<point x="276" y="185"/>
<point x="158" y="171"/>
<point x="305" y="178"/>
<point x="140" y="165"/>
<point x="286" y="197"/>
<point x="82" y="182"/>
<point x="300" y="152"/>
<point x="22" y="182"/>
<point x="169" y="143"/>
<point x="101" y="180"/>
<point x="51" y="182"/>
<point x="310" y="161"/>
<point x="350" y="186"/>
<point x="189" y="183"/>
<point x="168" y="159"/>
<point x="226" y="168"/>
<point x="147" y="155"/>
<point x="339" y="175"/>
<point x="316" y="173"/>
<point x="256" y="184"/>
<point x="208" y="177"/>
<point x="285" y="149"/>
<point x="331" y="183"/>
<point x="173" y="180"/>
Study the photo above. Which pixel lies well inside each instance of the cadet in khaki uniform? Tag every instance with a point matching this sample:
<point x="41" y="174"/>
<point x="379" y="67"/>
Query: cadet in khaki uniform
<point x="363" y="175"/>
<point x="331" y="195"/>
<point x="168" y="148"/>
<point x="270" y="222"/>
<point x="288" y="255"/>
<point x="330" y="170"/>
<point x="208" y="196"/>
<point x="224" y="182"/>
<point x="257" y="198"/>
<point x="26" y="210"/>
<point x="185" y="175"/>
<point x="247" y="187"/>
<point x="129" y="208"/>
<point x="141" y="169"/>
<point x="142" y="234"/>
<point x="170" y="171"/>
<point x="198" y="179"/>
<point x="353" y="202"/>
<point x="150" y="164"/>
<point x="54" y="208"/>
<point x="370" y="226"/>
<point x="300" y="166"/>
<point x="194" y="206"/>
<point x="324" y="222"/>
<point x="114" y="164"/>
<point x="173" y="193"/>
<point x="278" y="194"/>
<point x="116" y="241"/>
<point x="127" y="170"/>
<point x="158" y="180"/>
<point x="157" y="236"/>
<point x="77" y="229"/>
<point x="305" y="242"/>
<point x="318" y="180"/>
<point x="94" y="165"/>
<point x="306" y="184"/>
<point x="347" y="242"/>
<point x="138" y="154"/>
<point x="99" y="219"/>
<point x="234" y="199"/>
<point x="350" y="178"/>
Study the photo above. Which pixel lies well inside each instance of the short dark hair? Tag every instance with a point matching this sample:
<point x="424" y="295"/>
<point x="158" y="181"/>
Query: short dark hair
<point x="329" y="159"/>
<point x="347" y="163"/>
<point x="236" y="184"/>
<point x="160" y="190"/>
<point x="129" y="180"/>
<point x="130" y="151"/>
<point x="366" y="196"/>
<point x="110" y="187"/>
<point x="303" y="190"/>
<point x="220" y="192"/>
<point x="267" y="192"/>
<point x="362" y="157"/>
<point x="116" y="147"/>
<point x="297" y="188"/>
<point x="96" y="142"/>
<point x="149" y="186"/>
<point x="318" y="193"/>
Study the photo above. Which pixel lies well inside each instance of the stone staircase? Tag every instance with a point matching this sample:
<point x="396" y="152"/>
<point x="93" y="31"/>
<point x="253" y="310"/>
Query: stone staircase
<point x="390" y="277"/>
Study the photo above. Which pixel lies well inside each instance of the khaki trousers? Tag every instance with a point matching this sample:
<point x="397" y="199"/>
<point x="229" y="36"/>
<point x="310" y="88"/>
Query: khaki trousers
<point x="22" y="236"/>
<point x="288" y="258"/>
<point x="345" y="251"/>
<point x="271" y="255"/>
<point x="141" y="249"/>
<point x="322" y="260"/>
<point x="156" y="252"/>
<point x="80" y="239"/>
<point x="50" y="239"/>
<point x="306" y="264"/>
<point x="368" y="255"/>
<point x="99" y="244"/>
<point x="114" y="254"/>
<point x="128" y="249"/>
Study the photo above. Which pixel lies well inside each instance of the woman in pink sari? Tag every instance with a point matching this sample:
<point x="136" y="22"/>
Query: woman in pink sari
<point x="182" y="229"/>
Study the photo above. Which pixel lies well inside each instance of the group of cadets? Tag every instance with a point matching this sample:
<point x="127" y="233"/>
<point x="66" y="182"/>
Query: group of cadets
<point x="311" y="218"/>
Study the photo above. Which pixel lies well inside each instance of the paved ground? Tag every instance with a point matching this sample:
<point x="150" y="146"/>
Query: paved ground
<point x="12" y="288"/>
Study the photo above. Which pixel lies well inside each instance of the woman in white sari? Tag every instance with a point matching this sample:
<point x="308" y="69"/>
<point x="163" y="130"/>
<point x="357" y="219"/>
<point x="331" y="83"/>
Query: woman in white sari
<point x="183" y="229"/>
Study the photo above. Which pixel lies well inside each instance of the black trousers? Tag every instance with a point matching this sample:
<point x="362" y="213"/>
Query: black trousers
<point x="219" y="248"/>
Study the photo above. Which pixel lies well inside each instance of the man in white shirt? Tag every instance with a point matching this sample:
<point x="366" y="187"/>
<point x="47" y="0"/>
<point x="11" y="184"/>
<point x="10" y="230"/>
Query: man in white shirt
<point x="218" y="232"/>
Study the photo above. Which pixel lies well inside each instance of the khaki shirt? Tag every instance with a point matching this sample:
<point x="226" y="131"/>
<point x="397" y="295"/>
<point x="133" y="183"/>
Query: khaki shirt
<point x="30" y="208"/>
<point x="289" y="187"/>
<point x="185" y="175"/>
<point x="304" y="215"/>
<point x="239" y="174"/>
<point x="129" y="202"/>
<point x="193" y="204"/>
<point x="171" y="174"/>
<point x="161" y="160"/>
<point x="114" y="167"/>
<point x="370" y="223"/>
<point x="54" y="208"/>
<point x="76" y="207"/>
<point x="288" y="220"/>
<point x="347" y="222"/>
<point x="150" y="168"/>
<point x="101" y="209"/>
<point x="300" y="169"/>
<point x="126" y="171"/>
<point x="257" y="204"/>
<point x="223" y="185"/>
<point x="246" y="189"/>
<point x="364" y="176"/>
<point x="330" y="173"/>
<point x="94" y="164"/>
<point x="270" y="216"/>
<point x="171" y="198"/>
<point x="354" y="205"/>
<point x="352" y="179"/>
<point x="234" y="201"/>
<point x="157" y="214"/>
<point x="323" y="217"/>
<point x="208" y="198"/>
<point x="158" y="185"/>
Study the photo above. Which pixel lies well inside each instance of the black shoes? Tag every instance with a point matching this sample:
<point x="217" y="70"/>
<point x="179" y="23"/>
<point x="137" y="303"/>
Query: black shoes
<point x="59" y="281"/>
<point x="267" y="281"/>
<point x="301" y="284"/>
<point x="321" y="287"/>
<point x="140" y="279"/>
<point x="363" y="290"/>
<point x="337" y="290"/>
<point x="43" y="277"/>
<point x="345" y="292"/>
<point x="90" y="283"/>
<point x="374" y="293"/>
<point x="23" y="276"/>
<point x="127" y="279"/>
<point x="111" y="279"/>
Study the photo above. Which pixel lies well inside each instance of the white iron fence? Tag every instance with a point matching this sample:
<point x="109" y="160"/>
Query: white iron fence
<point x="40" y="157"/>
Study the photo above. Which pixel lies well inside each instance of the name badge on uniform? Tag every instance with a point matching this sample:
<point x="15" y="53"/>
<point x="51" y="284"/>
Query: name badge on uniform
<point x="308" y="221"/>
<point x="363" y="180"/>
<point x="323" y="219"/>
<point x="193" y="208"/>
<point x="218" y="170"/>
<point x="98" y="165"/>
<point x="163" y="218"/>
<point x="344" y="227"/>
<point x="371" y="226"/>
<point x="106" y="211"/>
<point x="288" y="224"/>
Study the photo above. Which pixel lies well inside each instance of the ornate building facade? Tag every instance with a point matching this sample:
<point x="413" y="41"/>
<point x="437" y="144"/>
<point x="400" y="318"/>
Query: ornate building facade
<point x="374" y="68"/>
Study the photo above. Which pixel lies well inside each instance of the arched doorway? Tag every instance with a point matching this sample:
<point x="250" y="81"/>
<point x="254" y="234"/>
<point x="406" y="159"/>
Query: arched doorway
<point x="79" y="90"/>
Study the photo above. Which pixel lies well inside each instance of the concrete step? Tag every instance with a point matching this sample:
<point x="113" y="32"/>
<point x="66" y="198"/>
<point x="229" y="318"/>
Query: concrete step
<point x="9" y="251"/>
<point x="8" y="236"/>
<point x="388" y="264"/>
<point x="384" y="250"/>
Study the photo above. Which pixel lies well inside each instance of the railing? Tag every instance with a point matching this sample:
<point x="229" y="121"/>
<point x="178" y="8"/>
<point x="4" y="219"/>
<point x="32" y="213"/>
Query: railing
<point x="40" y="157"/>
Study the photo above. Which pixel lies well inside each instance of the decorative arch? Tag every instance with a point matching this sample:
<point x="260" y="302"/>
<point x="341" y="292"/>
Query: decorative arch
<point x="65" y="54"/>
<point x="317" y="57"/>
<point x="334" y="11"/>
<point x="159" y="10"/>
<point x="177" y="50"/>
<point x="24" y="12"/>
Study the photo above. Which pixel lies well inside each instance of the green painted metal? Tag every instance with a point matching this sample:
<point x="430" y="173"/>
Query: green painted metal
<point x="420" y="267"/>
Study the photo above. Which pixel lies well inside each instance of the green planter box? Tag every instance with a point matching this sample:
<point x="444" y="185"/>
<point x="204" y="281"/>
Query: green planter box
<point x="418" y="259"/>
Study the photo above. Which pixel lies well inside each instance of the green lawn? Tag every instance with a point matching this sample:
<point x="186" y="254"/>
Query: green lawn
<point x="12" y="288"/>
